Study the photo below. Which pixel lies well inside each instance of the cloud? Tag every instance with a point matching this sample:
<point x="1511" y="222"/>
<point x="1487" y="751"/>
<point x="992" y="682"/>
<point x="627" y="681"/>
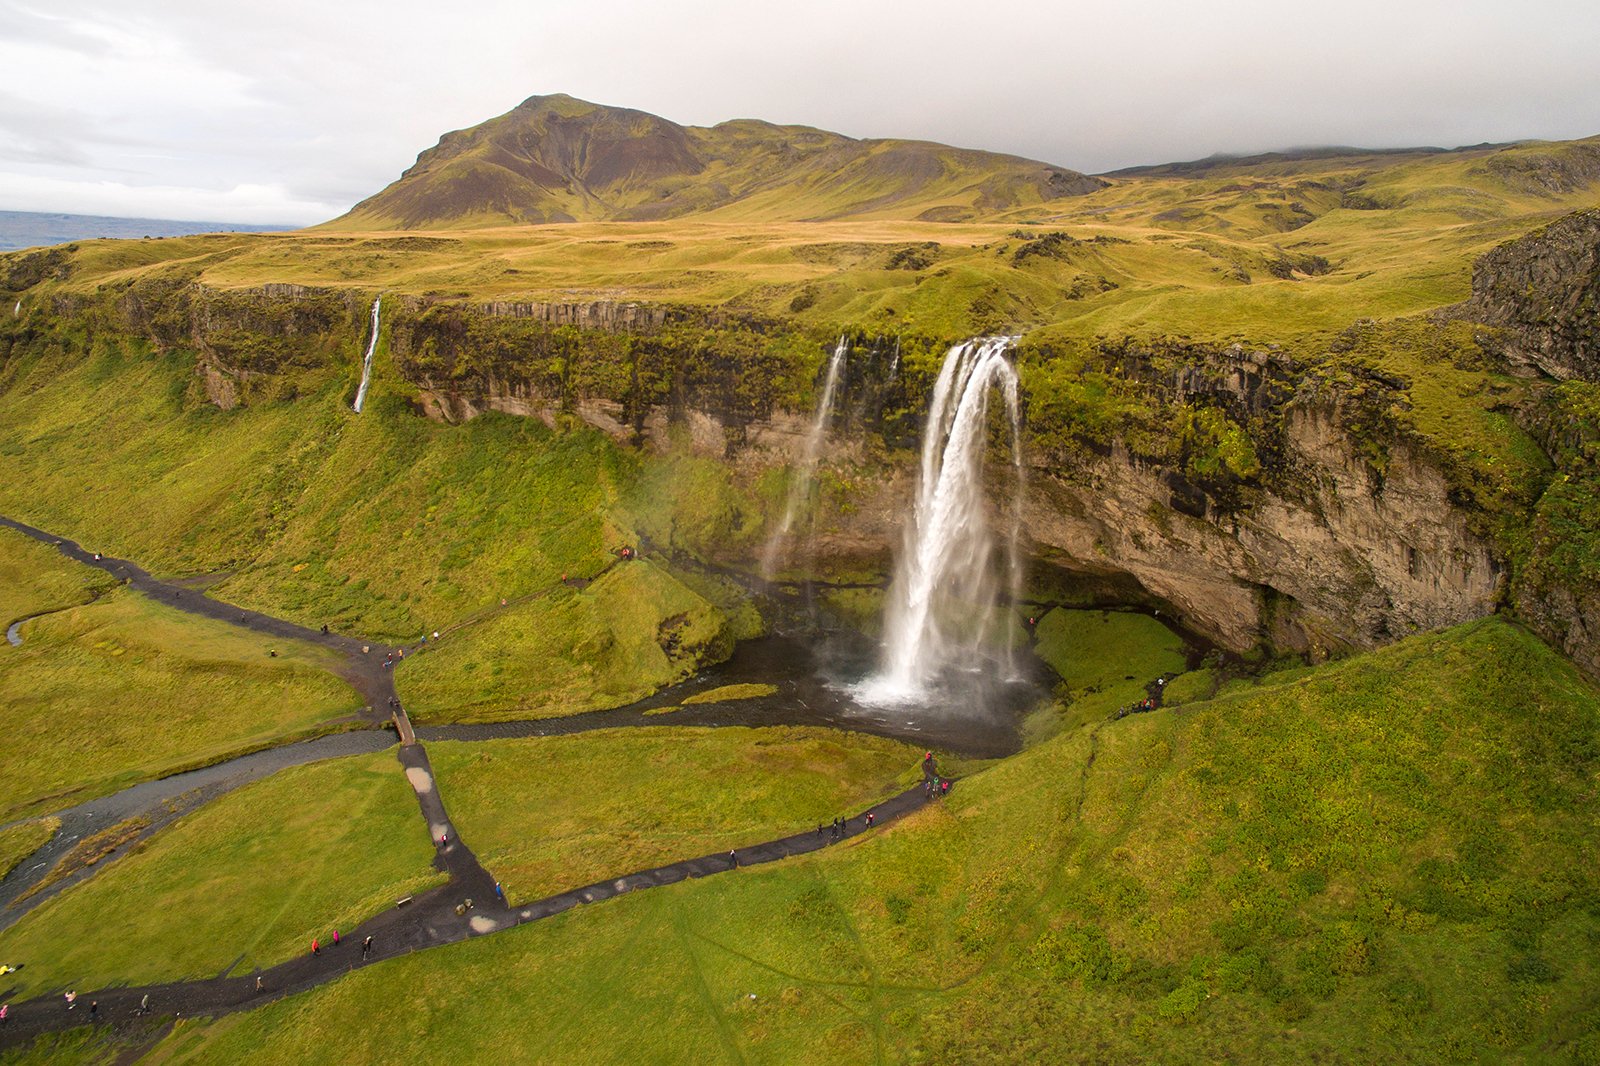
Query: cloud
<point x="247" y="203"/>
<point x="327" y="103"/>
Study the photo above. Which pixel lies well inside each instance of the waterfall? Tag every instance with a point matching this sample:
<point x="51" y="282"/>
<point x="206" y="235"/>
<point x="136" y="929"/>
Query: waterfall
<point x="800" y="486"/>
<point x="366" y="363"/>
<point x="942" y="609"/>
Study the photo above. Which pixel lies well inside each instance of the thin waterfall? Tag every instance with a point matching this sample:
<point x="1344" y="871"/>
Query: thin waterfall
<point x="942" y="604"/>
<point x="366" y="363"/>
<point x="800" y="486"/>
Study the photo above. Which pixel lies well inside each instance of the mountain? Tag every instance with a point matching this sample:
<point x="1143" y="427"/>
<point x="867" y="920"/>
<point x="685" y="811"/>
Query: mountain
<point x="559" y="159"/>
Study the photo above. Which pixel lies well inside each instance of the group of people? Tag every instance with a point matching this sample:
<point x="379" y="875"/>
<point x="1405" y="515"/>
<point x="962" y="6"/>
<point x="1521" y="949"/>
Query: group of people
<point x="316" y="949"/>
<point x="1149" y="703"/>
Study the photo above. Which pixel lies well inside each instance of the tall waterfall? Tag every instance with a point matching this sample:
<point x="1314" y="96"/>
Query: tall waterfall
<point x="366" y="363"/>
<point x="942" y="610"/>
<point x="800" y="486"/>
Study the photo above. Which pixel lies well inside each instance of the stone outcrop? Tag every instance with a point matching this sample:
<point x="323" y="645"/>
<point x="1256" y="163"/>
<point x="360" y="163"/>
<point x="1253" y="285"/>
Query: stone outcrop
<point x="1544" y="291"/>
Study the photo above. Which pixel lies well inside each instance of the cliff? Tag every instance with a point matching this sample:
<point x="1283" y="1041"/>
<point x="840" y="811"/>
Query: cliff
<point x="1543" y="290"/>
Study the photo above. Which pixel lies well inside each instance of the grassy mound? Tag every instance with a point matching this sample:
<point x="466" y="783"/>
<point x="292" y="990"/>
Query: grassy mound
<point x="1384" y="858"/>
<point x="633" y="630"/>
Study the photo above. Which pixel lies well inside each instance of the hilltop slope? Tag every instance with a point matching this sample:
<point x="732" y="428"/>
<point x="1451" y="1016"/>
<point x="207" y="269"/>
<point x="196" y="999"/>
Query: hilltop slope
<point x="558" y="159"/>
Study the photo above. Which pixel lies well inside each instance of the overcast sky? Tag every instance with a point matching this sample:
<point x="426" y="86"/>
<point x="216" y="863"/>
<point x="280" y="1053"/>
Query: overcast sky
<point x="290" y="112"/>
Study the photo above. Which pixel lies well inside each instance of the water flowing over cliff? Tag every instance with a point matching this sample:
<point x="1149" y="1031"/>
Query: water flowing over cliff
<point x="943" y="613"/>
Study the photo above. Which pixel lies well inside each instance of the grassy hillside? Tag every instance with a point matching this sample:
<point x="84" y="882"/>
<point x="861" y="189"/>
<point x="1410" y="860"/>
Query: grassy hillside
<point x="386" y="523"/>
<point x="1387" y="857"/>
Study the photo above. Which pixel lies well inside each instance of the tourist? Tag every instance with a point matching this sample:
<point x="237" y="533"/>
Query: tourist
<point x="366" y="948"/>
<point x="499" y="893"/>
<point x="336" y="938"/>
<point x="72" y="999"/>
<point x="144" y="1004"/>
<point x="733" y="857"/>
<point x="260" y="985"/>
<point x="944" y="786"/>
<point x="870" y="820"/>
<point x="5" y="1012"/>
<point x="94" y="1009"/>
<point x="316" y="948"/>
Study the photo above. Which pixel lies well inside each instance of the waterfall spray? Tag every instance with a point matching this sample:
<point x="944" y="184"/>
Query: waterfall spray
<point x="942" y="608"/>
<point x="800" y="487"/>
<point x="366" y="363"/>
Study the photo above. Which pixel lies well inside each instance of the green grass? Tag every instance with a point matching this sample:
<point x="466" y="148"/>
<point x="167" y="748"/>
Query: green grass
<point x="1384" y="858"/>
<point x="546" y="814"/>
<point x="126" y="689"/>
<point x="245" y="881"/>
<point x="633" y="630"/>
<point x="19" y="841"/>
<point x="1105" y="658"/>
<point x="729" y="693"/>
<point x="35" y="578"/>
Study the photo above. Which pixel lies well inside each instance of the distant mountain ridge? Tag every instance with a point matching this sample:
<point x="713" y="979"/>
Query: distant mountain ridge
<point x="559" y="159"/>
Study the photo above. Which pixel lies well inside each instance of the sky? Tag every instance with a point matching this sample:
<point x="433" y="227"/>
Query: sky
<point x="290" y="112"/>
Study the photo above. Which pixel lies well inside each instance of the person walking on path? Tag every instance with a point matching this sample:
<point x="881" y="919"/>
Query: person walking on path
<point x="316" y="948"/>
<point x="336" y="938"/>
<point x="260" y="985"/>
<point x="72" y="998"/>
<point x="144" y="1004"/>
<point x="870" y="819"/>
<point x="366" y="948"/>
<point x="94" y="1009"/>
<point x="733" y="858"/>
<point x="5" y="1013"/>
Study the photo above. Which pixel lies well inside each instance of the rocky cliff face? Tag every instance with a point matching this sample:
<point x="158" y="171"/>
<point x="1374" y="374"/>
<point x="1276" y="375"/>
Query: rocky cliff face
<point x="1544" y="290"/>
<point x="1328" y="558"/>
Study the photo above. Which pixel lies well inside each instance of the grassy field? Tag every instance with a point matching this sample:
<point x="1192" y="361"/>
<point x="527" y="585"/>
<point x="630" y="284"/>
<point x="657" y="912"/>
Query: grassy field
<point x="125" y="689"/>
<point x="550" y="813"/>
<point x="243" y="882"/>
<point x="1386" y="857"/>
<point x="35" y="578"/>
